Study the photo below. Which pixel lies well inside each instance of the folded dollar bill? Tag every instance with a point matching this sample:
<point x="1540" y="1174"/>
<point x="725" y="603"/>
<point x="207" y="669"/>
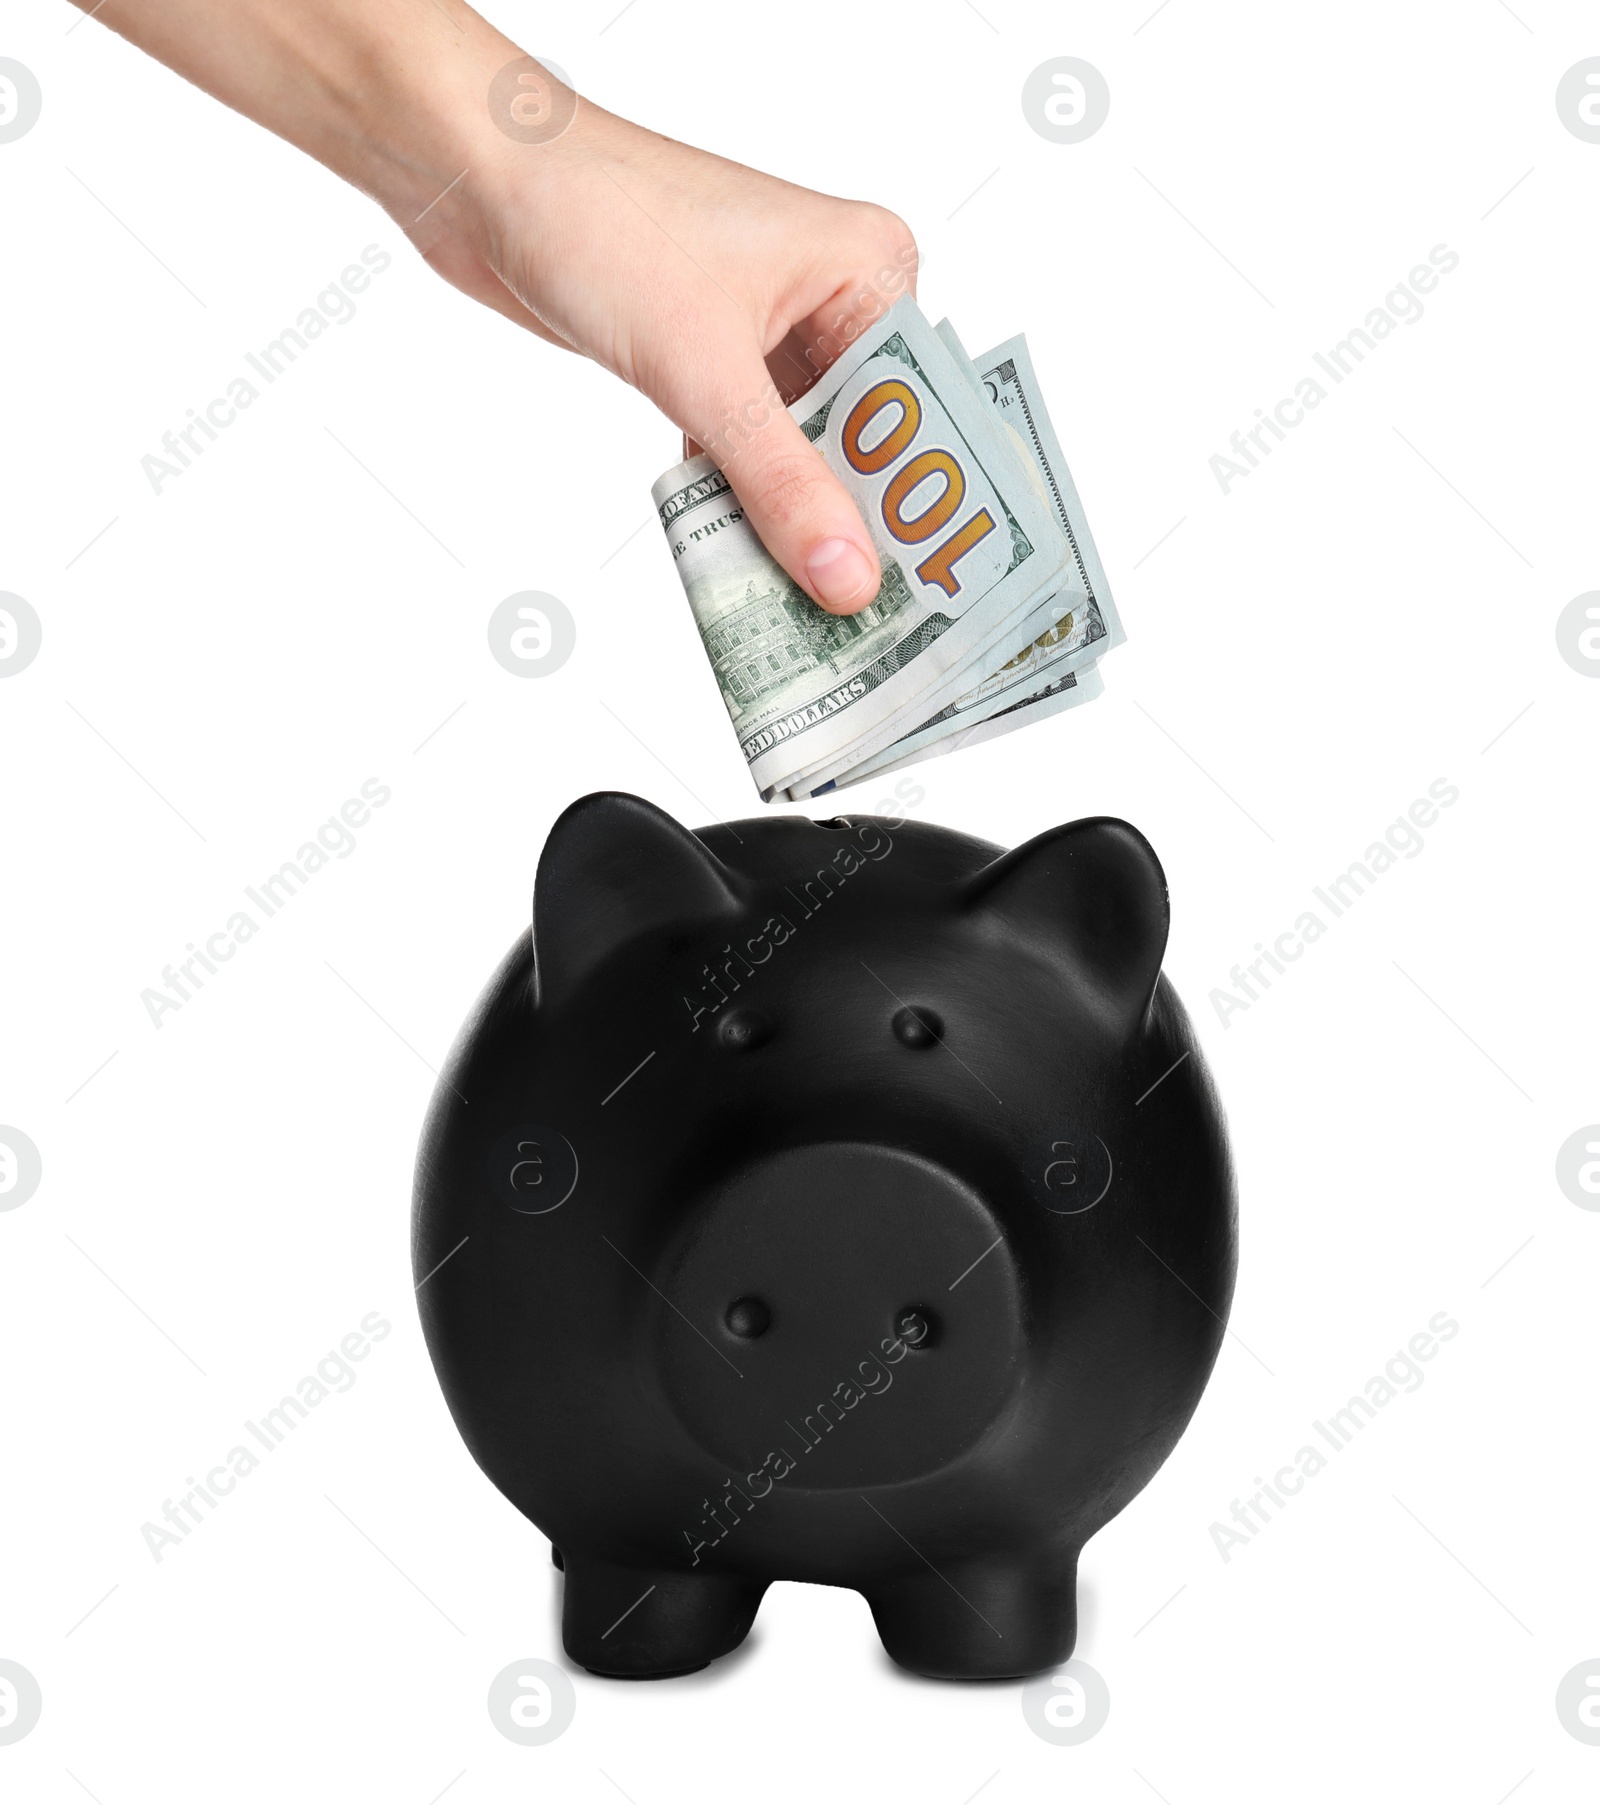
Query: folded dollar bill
<point x="993" y="607"/>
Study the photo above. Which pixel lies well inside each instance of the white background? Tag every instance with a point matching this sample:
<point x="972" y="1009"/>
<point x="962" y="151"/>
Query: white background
<point x="1363" y="615"/>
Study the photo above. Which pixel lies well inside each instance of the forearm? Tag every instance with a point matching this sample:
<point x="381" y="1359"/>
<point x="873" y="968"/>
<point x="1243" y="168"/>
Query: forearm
<point x="389" y="94"/>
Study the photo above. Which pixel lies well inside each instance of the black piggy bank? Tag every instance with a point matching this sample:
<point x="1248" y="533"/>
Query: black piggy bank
<point x="840" y="1201"/>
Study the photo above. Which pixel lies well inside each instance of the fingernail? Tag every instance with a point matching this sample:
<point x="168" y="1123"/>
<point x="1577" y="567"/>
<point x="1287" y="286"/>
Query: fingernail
<point x="839" y="573"/>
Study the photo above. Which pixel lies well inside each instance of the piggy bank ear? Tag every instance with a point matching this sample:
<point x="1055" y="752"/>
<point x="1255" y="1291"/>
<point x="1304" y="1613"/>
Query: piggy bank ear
<point x="615" y="867"/>
<point x="1092" y="893"/>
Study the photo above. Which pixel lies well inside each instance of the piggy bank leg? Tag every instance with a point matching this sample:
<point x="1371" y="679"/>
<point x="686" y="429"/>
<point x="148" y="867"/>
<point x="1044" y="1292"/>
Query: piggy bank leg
<point x="980" y="1620"/>
<point x="640" y="1624"/>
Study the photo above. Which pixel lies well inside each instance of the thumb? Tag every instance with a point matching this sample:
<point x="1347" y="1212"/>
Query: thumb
<point x="801" y="510"/>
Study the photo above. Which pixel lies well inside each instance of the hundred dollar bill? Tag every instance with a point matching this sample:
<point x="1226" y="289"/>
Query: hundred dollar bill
<point x="1015" y="696"/>
<point x="1008" y="379"/>
<point x="969" y="550"/>
<point x="1066" y="692"/>
<point x="1075" y="627"/>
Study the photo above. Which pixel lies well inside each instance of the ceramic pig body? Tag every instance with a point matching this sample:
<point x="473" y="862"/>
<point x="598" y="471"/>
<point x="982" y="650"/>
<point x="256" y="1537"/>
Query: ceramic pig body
<point x="843" y="1202"/>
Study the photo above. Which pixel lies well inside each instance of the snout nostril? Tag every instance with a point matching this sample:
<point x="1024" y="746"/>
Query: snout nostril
<point x="917" y="1326"/>
<point x="748" y="1317"/>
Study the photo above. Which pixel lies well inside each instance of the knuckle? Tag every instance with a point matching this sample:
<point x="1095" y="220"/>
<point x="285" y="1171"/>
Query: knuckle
<point x="888" y="232"/>
<point x="883" y="256"/>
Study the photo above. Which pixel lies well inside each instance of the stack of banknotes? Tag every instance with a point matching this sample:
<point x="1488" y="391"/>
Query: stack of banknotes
<point x="993" y="611"/>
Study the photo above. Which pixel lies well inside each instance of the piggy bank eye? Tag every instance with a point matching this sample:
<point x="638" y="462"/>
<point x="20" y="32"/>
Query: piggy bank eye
<point x="743" y="1030"/>
<point x="917" y="1028"/>
<point x="748" y="1318"/>
<point x="917" y="1326"/>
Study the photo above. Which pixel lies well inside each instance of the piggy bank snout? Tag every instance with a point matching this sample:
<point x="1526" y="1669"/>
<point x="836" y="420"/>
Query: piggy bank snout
<point x="839" y="1314"/>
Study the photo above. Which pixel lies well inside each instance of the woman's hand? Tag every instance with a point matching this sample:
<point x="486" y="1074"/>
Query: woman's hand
<point x="719" y="292"/>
